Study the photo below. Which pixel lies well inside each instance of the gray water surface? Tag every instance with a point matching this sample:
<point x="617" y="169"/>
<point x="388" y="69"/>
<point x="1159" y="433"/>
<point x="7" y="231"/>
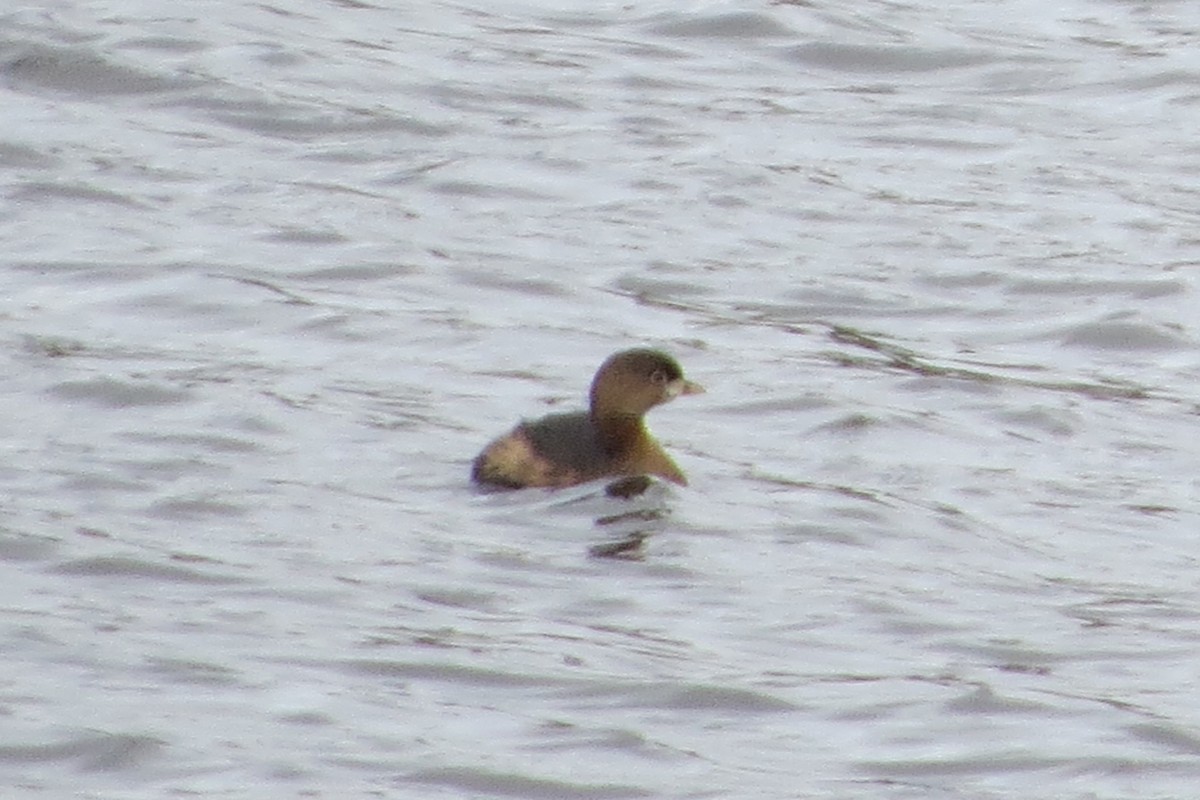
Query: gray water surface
<point x="274" y="273"/>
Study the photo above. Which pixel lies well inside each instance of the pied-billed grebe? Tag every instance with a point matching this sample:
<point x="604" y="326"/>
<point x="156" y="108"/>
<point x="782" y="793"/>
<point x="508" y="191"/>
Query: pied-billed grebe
<point x="610" y="439"/>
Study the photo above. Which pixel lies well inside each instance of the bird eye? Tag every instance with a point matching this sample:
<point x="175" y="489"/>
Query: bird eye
<point x="658" y="376"/>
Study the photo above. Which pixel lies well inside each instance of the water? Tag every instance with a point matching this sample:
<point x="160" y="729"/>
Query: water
<point x="274" y="274"/>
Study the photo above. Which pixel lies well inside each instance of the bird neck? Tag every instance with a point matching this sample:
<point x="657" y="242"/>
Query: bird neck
<point x="618" y="431"/>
